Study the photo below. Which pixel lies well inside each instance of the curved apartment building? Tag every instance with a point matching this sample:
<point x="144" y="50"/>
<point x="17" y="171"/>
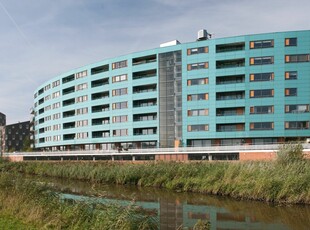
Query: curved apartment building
<point x="252" y="89"/>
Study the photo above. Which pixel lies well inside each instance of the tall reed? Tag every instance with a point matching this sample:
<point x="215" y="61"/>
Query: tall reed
<point x="40" y="207"/>
<point x="267" y="181"/>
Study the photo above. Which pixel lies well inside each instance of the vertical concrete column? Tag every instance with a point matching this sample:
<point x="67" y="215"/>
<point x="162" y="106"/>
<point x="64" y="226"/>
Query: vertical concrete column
<point x="133" y="158"/>
<point x="210" y="157"/>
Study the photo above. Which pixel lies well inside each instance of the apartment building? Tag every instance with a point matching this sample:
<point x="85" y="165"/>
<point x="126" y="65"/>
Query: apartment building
<point x="243" y="90"/>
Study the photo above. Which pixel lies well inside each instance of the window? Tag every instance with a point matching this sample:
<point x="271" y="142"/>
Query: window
<point x="56" y="105"/>
<point x="297" y="108"/>
<point x="82" y="111"/>
<point x="47" y="87"/>
<point x="261" y="60"/>
<point x="119" y="92"/>
<point x="197" y="128"/>
<point x="261" y="126"/>
<point x="261" y="93"/>
<point x="297" y="58"/>
<point x="198" y="50"/>
<point x="83" y="135"/>
<point x="81" y="86"/>
<point x="46" y="98"/>
<point x="291" y="75"/>
<point x="82" y="123"/>
<point x="81" y="98"/>
<point x="81" y="74"/>
<point x="56" y="127"/>
<point x="120" y="119"/>
<point x="290" y="92"/>
<point x="198" y="97"/>
<point x="261" y="44"/>
<point x="199" y="81"/>
<point x="264" y="109"/>
<point x="195" y="66"/>
<point x="119" y="78"/>
<point x="120" y="132"/>
<point x="262" y="77"/>
<point x="198" y="112"/>
<point x="56" y="94"/>
<point x="120" y="105"/>
<point x="297" y="125"/>
<point x="47" y="108"/>
<point x="56" y="83"/>
<point x="290" y="41"/>
<point x="56" y="116"/>
<point x="120" y="64"/>
<point x="145" y="117"/>
<point x="57" y="138"/>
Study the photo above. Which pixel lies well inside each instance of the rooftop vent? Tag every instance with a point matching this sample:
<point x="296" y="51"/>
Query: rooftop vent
<point x="171" y="43"/>
<point x="203" y="35"/>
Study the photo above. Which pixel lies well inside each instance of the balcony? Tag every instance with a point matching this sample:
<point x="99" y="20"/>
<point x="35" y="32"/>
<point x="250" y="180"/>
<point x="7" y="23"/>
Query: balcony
<point x="144" y="60"/>
<point x="231" y="47"/>
<point x="232" y="63"/>
<point x="235" y="95"/>
<point x="230" y="127"/>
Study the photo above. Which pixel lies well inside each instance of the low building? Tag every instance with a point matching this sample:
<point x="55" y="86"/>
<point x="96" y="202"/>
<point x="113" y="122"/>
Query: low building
<point x="2" y="134"/>
<point x="17" y="136"/>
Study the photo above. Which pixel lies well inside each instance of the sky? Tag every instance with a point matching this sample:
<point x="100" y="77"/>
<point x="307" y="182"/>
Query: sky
<point x="41" y="39"/>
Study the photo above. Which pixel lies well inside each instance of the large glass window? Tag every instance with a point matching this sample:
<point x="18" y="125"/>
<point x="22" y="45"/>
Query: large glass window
<point x="261" y="60"/>
<point x="261" y="93"/>
<point x="291" y="75"/>
<point x="297" y="125"/>
<point x="198" y="97"/>
<point x="197" y="112"/>
<point x="120" y="105"/>
<point x="261" y="44"/>
<point x="120" y="119"/>
<point x="297" y="108"/>
<point x="119" y="92"/>
<point x="290" y="92"/>
<point x="199" y="81"/>
<point x="120" y="132"/>
<point x="119" y="78"/>
<point x="297" y="58"/>
<point x="197" y="128"/>
<point x="261" y="126"/>
<point x="262" y="77"/>
<point x="195" y="66"/>
<point x="290" y="41"/>
<point x="120" y="64"/>
<point x="198" y="50"/>
<point x="263" y="109"/>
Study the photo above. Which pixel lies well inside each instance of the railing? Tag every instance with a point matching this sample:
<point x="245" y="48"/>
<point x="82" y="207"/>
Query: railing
<point x="147" y="151"/>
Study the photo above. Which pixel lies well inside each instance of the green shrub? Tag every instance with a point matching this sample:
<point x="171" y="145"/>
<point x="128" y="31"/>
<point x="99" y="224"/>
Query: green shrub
<point x="289" y="153"/>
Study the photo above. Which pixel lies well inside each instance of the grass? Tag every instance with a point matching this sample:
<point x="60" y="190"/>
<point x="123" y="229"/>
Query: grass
<point x="40" y="208"/>
<point x="11" y="223"/>
<point x="267" y="181"/>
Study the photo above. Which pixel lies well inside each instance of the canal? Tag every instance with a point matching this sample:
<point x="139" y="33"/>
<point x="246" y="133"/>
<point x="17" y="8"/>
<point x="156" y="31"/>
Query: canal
<point x="182" y="210"/>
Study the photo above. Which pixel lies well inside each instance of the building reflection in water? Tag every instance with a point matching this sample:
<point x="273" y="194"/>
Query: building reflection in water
<point x="183" y="210"/>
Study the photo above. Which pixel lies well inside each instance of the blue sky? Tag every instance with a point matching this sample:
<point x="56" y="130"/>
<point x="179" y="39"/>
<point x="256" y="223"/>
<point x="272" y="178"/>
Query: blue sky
<point x="41" y="39"/>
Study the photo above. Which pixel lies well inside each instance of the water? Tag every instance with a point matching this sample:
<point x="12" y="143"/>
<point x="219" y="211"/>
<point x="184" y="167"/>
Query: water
<point x="185" y="209"/>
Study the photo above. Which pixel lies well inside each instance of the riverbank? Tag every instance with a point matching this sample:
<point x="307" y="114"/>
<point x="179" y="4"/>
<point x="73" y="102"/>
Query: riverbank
<point x="265" y="181"/>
